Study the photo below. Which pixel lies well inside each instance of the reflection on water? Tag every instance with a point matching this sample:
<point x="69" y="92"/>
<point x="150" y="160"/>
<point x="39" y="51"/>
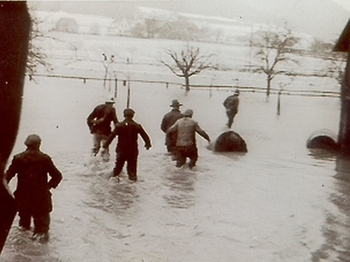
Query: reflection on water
<point x="108" y="194"/>
<point x="112" y="195"/>
<point x="323" y="155"/>
<point x="181" y="184"/>
<point x="337" y="227"/>
<point x="27" y="250"/>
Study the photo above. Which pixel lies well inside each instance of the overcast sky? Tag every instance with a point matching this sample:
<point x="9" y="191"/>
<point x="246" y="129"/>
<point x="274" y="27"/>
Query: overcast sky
<point x="316" y="17"/>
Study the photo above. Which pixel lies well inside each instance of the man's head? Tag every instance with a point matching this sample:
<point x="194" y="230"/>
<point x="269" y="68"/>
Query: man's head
<point x="110" y="101"/>
<point x="175" y="104"/>
<point x="236" y="92"/>
<point x="33" y="141"/>
<point x="129" y="113"/>
<point x="188" y="113"/>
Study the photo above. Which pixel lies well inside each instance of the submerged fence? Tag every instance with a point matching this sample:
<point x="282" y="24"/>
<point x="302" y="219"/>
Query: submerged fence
<point x="127" y="82"/>
<point x="253" y="89"/>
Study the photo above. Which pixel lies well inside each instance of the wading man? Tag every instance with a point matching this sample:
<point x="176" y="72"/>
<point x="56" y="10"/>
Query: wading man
<point x="99" y="122"/>
<point x="32" y="195"/>
<point x="127" y="147"/>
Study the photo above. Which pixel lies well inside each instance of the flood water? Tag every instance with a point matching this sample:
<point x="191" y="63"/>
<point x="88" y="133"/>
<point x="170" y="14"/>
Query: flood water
<point x="278" y="202"/>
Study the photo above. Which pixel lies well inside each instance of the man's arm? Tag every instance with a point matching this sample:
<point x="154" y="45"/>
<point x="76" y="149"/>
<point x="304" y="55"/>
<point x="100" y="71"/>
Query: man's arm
<point x="163" y="124"/>
<point x="11" y="171"/>
<point x="202" y="133"/>
<point x="111" y="137"/>
<point x="145" y="137"/>
<point x="55" y="174"/>
<point x="114" y="117"/>
<point x="90" y="119"/>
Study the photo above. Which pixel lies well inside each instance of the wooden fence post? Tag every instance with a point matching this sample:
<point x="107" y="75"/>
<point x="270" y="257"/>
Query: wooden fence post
<point x="115" y="87"/>
<point x="279" y="103"/>
<point x="128" y="97"/>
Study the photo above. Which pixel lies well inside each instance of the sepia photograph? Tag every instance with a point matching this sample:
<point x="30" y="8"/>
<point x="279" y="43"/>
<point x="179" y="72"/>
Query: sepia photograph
<point x="175" y="131"/>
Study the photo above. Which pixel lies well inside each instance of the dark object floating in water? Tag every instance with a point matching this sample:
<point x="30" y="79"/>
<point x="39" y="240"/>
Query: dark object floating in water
<point x="230" y="141"/>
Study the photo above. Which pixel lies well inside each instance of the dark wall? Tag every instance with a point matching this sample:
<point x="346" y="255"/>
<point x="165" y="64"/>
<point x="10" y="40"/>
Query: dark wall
<point x="14" y="32"/>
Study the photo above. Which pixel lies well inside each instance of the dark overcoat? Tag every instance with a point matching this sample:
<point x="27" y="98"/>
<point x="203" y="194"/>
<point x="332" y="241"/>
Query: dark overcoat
<point x="99" y="121"/>
<point x="127" y="132"/>
<point x="33" y="185"/>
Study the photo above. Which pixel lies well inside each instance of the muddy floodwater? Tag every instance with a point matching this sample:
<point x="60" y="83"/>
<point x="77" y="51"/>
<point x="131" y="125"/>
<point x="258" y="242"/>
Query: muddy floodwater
<point x="277" y="202"/>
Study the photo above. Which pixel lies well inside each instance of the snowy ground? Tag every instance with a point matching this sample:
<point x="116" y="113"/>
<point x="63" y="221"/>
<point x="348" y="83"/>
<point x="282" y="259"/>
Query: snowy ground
<point x="278" y="202"/>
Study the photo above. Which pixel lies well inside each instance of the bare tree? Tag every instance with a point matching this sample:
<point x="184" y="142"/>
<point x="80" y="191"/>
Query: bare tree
<point x="108" y="66"/>
<point x="187" y="63"/>
<point x="273" y="50"/>
<point x="36" y="56"/>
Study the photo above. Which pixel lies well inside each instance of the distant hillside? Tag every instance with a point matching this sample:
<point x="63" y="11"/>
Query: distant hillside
<point x="319" y="18"/>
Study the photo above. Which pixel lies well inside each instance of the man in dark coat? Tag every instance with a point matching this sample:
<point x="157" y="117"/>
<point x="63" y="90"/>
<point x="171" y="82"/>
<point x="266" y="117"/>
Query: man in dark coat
<point x="99" y="122"/>
<point x="127" y="147"/>
<point x="168" y="120"/>
<point x="186" y="129"/>
<point x="32" y="195"/>
<point x="231" y="105"/>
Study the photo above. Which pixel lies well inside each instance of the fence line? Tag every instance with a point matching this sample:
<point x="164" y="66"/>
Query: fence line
<point x="252" y="89"/>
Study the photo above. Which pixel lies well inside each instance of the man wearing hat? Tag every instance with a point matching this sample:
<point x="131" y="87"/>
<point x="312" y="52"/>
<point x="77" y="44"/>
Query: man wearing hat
<point x="231" y="105"/>
<point x="32" y="195"/>
<point x="186" y="129"/>
<point x="127" y="147"/>
<point x="168" y="120"/>
<point x="99" y="122"/>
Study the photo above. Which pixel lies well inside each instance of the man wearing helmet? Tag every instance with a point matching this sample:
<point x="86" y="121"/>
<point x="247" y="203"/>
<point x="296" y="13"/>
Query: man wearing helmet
<point x="32" y="195"/>
<point x="99" y="122"/>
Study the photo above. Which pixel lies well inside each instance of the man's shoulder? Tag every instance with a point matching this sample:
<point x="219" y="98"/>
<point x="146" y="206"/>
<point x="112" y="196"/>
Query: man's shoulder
<point x="187" y="121"/>
<point x="232" y="97"/>
<point x="127" y="122"/>
<point x="32" y="155"/>
<point x="173" y="113"/>
<point x="168" y="115"/>
<point x="100" y="107"/>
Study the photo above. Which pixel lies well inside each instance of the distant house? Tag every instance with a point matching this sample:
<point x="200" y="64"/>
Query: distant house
<point x="95" y="29"/>
<point x="68" y="25"/>
<point x="119" y="28"/>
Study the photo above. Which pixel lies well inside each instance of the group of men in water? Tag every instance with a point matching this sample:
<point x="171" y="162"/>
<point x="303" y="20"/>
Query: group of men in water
<point x="37" y="174"/>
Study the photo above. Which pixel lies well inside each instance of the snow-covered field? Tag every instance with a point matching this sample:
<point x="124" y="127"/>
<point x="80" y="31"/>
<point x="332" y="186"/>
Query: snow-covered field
<point x="81" y="55"/>
<point x="278" y="202"/>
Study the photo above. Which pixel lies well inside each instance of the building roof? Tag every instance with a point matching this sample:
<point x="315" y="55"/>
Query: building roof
<point x="343" y="43"/>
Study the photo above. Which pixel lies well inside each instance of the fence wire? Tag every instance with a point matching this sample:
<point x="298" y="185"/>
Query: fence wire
<point x="246" y="89"/>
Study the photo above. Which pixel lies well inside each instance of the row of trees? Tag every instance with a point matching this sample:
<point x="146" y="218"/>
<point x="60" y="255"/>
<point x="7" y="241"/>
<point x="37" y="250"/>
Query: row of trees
<point x="274" y="54"/>
<point x="179" y="29"/>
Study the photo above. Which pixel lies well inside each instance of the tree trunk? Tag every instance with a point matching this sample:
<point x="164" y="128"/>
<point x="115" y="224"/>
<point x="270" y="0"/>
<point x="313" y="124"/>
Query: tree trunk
<point x="187" y="83"/>
<point x="268" y="85"/>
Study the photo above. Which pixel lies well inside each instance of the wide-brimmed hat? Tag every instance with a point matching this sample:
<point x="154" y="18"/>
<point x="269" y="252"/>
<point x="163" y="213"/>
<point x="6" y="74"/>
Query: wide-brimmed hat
<point x="110" y="100"/>
<point x="175" y="103"/>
